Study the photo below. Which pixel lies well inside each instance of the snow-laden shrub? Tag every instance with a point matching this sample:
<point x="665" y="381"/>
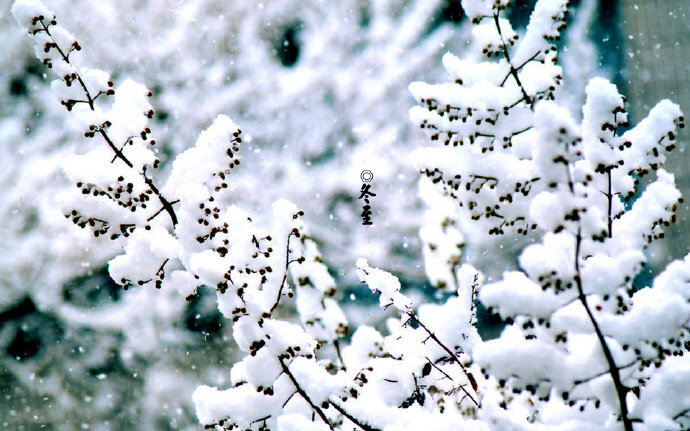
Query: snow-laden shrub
<point x="226" y="57"/>
<point x="583" y="349"/>
<point x="179" y="236"/>
<point x="310" y="112"/>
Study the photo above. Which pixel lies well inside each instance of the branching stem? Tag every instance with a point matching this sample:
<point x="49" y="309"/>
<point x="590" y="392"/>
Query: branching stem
<point x="452" y="355"/>
<point x="118" y="153"/>
<point x="303" y="394"/>
<point x="167" y="205"/>
<point x="282" y="284"/>
<point x="65" y="58"/>
<point x="513" y="70"/>
<point x="352" y="419"/>
<point x="621" y="390"/>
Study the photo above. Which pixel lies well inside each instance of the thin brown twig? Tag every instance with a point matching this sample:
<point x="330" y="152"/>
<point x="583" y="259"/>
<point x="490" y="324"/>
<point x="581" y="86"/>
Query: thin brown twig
<point x="621" y="390"/>
<point x="452" y="355"/>
<point x="303" y="394"/>
<point x="513" y="70"/>
<point x="287" y="264"/>
<point x="90" y="101"/>
<point x="352" y="419"/>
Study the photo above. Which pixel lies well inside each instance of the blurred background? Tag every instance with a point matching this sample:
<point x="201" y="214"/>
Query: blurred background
<point x="320" y="89"/>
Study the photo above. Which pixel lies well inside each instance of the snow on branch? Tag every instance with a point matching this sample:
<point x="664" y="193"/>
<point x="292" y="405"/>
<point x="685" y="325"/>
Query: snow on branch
<point x="207" y="243"/>
<point x="584" y="348"/>
<point x="583" y="343"/>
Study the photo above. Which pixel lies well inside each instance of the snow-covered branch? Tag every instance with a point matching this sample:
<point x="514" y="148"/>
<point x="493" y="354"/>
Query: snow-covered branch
<point x="574" y="188"/>
<point x="584" y="347"/>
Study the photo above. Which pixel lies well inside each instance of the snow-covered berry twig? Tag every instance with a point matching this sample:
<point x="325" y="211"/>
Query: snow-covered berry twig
<point x="388" y="288"/>
<point x="574" y="316"/>
<point x="55" y="46"/>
